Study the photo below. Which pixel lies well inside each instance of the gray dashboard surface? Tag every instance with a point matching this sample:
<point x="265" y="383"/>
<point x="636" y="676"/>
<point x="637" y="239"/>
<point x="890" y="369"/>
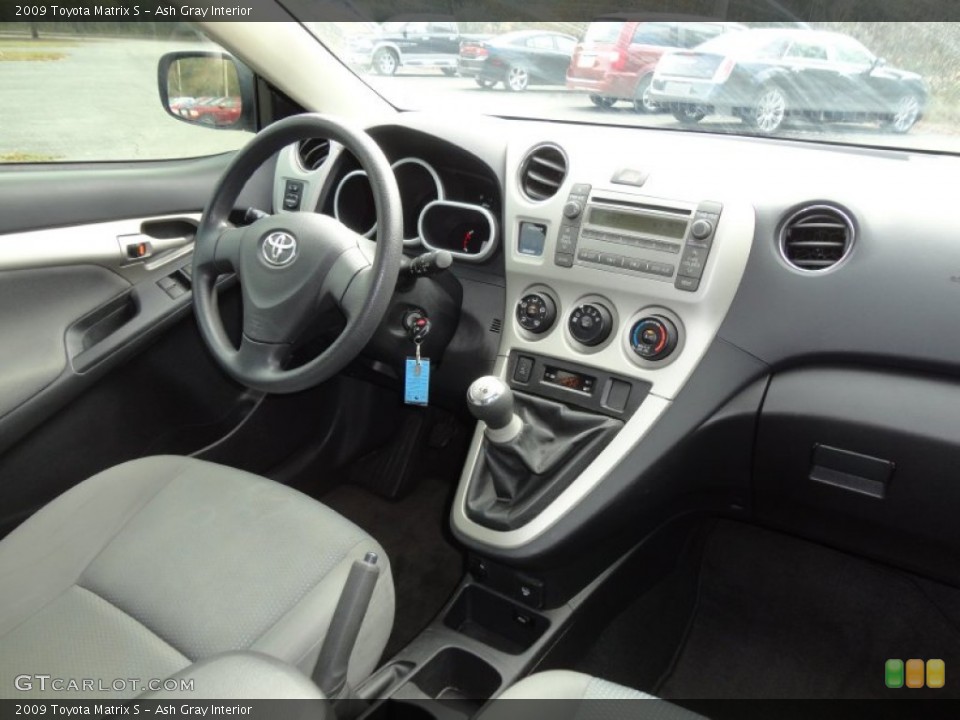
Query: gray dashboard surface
<point x="892" y="302"/>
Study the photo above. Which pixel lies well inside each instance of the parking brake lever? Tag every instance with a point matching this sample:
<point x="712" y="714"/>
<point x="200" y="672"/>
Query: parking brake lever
<point x="330" y="672"/>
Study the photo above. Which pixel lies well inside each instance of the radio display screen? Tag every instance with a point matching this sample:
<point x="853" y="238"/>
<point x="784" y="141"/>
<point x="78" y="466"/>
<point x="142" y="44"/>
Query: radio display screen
<point x="639" y="223"/>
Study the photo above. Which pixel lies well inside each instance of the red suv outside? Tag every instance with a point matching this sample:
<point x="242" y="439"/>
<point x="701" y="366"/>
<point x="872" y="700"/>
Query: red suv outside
<point x="615" y="60"/>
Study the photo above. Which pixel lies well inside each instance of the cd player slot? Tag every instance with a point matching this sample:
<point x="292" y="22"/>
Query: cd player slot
<point x="641" y="206"/>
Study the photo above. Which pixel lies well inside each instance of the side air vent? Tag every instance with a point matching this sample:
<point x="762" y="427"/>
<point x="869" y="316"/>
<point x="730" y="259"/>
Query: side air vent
<point x="816" y="238"/>
<point x="542" y="172"/>
<point x="313" y="153"/>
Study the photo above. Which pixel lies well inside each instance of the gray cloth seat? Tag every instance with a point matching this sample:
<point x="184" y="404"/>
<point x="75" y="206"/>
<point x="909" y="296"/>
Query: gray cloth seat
<point x="594" y="699"/>
<point x="241" y="676"/>
<point x="158" y="563"/>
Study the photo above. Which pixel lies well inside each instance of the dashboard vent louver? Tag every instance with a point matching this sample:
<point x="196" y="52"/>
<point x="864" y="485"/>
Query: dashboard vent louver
<point x="816" y="238"/>
<point x="313" y="153"/>
<point x="542" y="172"/>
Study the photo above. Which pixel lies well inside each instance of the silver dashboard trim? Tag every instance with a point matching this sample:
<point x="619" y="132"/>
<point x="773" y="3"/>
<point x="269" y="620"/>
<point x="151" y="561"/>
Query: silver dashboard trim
<point x="813" y="207"/>
<point x="629" y="437"/>
<point x="438" y="184"/>
<point x="441" y="194"/>
<point x="336" y="199"/>
<point x="700" y="313"/>
<point x="89" y="244"/>
<point x="487" y="250"/>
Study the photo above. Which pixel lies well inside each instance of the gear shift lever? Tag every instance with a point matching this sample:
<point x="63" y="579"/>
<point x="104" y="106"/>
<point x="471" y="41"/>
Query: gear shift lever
<point x="491" y="401"/>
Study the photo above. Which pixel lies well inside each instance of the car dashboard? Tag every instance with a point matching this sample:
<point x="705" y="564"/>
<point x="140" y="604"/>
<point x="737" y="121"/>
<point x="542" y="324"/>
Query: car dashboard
<point x="685" y="282"/>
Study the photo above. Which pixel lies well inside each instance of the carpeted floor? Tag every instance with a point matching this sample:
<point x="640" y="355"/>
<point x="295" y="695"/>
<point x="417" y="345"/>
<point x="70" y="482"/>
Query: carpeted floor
<point x="414" y="531"/>
<point x="778" y="617"/>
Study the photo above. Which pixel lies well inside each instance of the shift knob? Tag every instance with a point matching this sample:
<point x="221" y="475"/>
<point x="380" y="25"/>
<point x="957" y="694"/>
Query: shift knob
<point x="491" y="401"/>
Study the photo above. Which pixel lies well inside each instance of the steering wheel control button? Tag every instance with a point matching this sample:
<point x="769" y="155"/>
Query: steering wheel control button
<point x="590" y="324"/>
<point x="654" y="338"/>
<point x="536" y="313"/>
<point x="292" y="195"/>
<point x="279" y="248"/>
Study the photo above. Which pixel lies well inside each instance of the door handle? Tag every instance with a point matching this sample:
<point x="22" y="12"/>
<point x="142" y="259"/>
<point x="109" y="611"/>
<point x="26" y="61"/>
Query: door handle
<point x="157" y="237"/>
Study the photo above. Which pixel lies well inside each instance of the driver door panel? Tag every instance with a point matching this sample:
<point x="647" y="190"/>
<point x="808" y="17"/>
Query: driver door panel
<point x="85" y="325"/>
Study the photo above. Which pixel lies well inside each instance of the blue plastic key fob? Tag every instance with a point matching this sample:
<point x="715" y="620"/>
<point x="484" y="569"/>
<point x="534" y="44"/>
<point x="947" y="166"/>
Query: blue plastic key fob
<point x="417" y="382"/>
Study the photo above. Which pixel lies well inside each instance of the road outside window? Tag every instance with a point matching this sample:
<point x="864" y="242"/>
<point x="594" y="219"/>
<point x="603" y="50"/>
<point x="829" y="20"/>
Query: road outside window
<point x="87" y="92"/>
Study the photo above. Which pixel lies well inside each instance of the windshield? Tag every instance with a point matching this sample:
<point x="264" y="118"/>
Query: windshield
<point x="875" y="84"/>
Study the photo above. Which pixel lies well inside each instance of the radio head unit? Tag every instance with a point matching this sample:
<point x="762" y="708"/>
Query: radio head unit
<point x="653" y="238"/>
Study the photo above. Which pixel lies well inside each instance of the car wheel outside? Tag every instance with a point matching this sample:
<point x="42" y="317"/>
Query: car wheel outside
<point x="688" y="114"/>
<point x="770" y="110"/>
<point x="385" y="62"/>
<point x="485" y="83"/>
<point x="604" y="103"/>
<point x="449" y="72"/>
<point x="517" y="78"/>
<point x="642" y="102"/>
<point x="905" y="115"/>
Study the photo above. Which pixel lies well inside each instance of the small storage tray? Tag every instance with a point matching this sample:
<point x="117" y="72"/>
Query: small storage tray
<point x="495" y="621"/>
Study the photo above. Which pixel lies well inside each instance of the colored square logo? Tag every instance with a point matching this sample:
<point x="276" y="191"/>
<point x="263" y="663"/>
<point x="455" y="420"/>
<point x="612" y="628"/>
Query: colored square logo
<point x="915" y="673"/>
<point x="893" y="673"/>
<point x="936" y="673"/>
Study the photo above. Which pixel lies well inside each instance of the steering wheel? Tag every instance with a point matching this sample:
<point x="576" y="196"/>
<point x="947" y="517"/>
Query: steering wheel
<point x="291" y="265"/>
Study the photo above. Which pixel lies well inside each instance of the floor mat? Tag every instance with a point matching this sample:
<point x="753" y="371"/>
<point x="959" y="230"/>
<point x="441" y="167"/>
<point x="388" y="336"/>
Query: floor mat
<point x="414" y="531"/>
<point x="779" y="617"/>
<point x="642" y="639"/>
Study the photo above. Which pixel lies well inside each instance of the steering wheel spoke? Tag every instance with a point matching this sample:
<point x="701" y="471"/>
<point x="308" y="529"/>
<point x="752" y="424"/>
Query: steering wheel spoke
<point x="260" y="358"/>
<point x="227" y="252"/>
<point x="348" y="282"/>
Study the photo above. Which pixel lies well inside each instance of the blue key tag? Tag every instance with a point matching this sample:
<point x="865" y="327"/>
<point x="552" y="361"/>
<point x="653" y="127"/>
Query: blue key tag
<point x="417" y="381"/>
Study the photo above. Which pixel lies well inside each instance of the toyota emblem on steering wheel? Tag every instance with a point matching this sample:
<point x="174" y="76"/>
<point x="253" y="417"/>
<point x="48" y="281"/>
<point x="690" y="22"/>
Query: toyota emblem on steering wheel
<point x="279" y="248"/>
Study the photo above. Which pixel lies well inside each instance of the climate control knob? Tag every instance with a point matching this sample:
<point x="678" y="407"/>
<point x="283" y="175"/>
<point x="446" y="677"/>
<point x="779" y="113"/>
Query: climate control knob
<point x="536" y="313"/>
<point x="590" y="324"/>
<point x="654" y="338"/>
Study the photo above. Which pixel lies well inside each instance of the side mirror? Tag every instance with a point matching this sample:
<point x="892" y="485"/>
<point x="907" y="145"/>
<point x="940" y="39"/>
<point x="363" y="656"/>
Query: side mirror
<point x="207" y="88"/>
<point x="878" y="63"/>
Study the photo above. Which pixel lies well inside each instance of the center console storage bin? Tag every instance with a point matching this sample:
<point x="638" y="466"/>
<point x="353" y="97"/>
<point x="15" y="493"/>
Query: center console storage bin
<point x="495" y="620"/>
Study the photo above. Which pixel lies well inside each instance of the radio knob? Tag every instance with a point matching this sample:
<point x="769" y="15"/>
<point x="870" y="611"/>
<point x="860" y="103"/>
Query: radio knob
<point x="654" y="338"/>
<point x="572" y="209"/>
<point x="702" y="229"/>
<point x="591" y="324"/>
<point x="536" y="313"/>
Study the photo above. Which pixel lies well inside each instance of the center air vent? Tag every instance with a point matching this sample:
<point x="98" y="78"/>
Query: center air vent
<point x="542" y="172"/>
<point x="816" y="238"/>
<point x="313" y="153"/>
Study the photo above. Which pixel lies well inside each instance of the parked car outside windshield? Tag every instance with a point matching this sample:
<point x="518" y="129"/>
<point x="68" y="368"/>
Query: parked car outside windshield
<point x="770" y="77"/>
<point x="862" y="83"/>
<point x="615" y="60"/>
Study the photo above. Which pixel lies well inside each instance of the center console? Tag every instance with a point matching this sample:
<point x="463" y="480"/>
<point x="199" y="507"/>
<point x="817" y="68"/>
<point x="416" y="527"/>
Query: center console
<point x="618" y="276"/>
